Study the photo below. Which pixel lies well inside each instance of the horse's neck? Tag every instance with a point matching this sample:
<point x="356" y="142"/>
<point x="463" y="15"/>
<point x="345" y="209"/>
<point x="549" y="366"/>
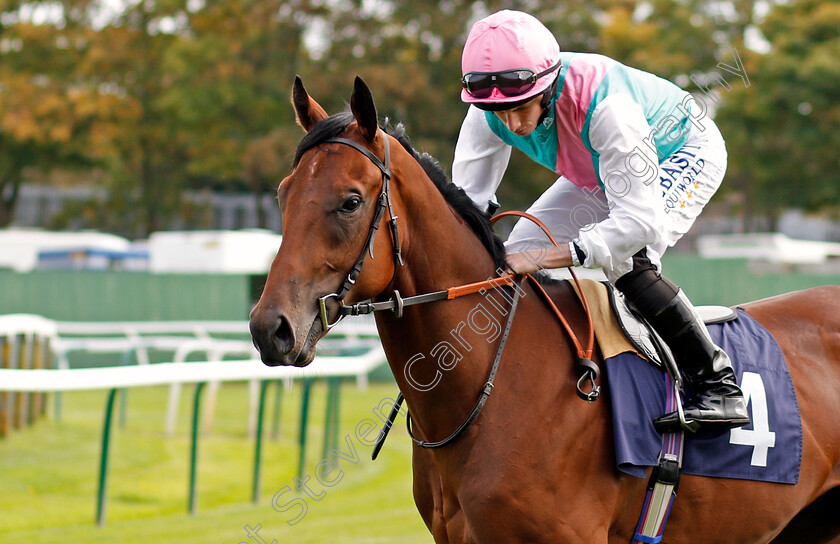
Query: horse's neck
<point x="440" y="352"/>
<point x="442" y="250"/>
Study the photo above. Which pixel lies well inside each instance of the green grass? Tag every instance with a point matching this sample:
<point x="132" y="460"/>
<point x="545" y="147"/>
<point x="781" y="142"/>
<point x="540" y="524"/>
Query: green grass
<point x="48" y="475"/>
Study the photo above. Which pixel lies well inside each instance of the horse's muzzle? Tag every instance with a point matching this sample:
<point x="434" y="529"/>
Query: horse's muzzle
<point x="274" y="337"/>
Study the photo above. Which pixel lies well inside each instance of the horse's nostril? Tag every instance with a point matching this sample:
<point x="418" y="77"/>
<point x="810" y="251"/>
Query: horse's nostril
<point x="284" y="337"/>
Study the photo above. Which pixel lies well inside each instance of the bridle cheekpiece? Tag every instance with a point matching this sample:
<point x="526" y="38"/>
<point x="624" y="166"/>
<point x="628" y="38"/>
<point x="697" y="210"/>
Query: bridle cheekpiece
<point x="383" y="203"/>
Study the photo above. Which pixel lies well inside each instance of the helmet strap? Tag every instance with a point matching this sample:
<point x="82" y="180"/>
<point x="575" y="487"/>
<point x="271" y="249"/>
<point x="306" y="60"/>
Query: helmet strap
<point x="548" y="100"/>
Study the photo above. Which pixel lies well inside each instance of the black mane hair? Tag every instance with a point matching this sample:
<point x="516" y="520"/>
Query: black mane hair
<point x="455" y="196"/>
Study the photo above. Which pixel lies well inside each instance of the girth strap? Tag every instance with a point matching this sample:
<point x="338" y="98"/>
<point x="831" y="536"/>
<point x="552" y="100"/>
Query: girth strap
<point x="664" y="480"/>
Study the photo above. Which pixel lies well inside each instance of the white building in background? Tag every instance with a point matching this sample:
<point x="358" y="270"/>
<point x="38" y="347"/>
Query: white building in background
<point x="203" y="251"/>
<point x="38" y="205"/>
<point x="220" y="247"/>
<point x="21" y="248"/>
<point x="797" y="224"/>
<point x="248" y="251"/>
<point x="771" y="247"/>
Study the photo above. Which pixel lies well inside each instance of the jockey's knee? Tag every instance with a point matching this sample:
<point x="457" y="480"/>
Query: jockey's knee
<point x="645" y="287"/>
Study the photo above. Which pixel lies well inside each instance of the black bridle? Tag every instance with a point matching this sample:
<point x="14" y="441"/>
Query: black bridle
<point x="383" y="202"/>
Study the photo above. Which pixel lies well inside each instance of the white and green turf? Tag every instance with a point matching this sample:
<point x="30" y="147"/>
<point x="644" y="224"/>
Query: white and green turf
<point x="48" y="475"/>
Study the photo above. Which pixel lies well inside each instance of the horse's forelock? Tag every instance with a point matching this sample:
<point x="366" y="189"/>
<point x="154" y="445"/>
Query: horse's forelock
<point x="325" y="129"/>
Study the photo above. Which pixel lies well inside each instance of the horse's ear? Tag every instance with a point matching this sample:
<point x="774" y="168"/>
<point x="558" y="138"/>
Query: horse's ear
<point x="307" y="111"/>
<point x="361" y="104"/>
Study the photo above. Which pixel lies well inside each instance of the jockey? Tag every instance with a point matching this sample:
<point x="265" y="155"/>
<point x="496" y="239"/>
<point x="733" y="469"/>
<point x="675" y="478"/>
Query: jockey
<point x="637" y="160"/>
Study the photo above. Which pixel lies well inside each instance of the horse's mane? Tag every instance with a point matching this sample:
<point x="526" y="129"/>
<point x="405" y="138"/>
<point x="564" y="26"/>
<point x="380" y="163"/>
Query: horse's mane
<point x="455" y="196"/>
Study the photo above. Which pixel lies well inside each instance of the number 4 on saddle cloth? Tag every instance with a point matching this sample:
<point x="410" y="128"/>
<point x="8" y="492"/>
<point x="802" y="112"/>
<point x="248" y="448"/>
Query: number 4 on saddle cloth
<point x="768" y="449"/>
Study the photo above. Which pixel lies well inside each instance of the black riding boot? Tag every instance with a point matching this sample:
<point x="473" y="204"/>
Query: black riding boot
<point x="717" y="401"/>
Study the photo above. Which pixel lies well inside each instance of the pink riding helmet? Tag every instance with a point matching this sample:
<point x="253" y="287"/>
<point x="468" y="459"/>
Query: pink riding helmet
<point x="508" y="40"/>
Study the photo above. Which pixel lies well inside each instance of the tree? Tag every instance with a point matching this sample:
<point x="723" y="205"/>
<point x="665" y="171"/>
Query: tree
<point x="77" y="93"/>
<point x="161" y="96"/>
<point x="143" y="155"/>
<point x="784" y="129"/>
<point x="670" y="39"/>
<point x="232" y="70"/>
<point x="43" y="109"/>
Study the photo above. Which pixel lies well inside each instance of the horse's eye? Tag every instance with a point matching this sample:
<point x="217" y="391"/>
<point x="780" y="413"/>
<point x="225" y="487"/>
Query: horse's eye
<point x="351" y="204"/>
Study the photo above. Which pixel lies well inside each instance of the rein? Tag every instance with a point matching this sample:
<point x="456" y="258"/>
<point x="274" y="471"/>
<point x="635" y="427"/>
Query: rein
<point x="488" y="386"/>
<point x="584" y="363"/>
<point x="398" y="303"/>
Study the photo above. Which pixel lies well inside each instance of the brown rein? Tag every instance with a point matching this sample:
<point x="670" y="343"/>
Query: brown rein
<point x="590" y="341"/>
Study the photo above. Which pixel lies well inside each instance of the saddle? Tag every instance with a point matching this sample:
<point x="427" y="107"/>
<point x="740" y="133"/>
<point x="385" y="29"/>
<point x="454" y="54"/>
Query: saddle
<point x="620" y="328"/>
<point x="769" y="449"/>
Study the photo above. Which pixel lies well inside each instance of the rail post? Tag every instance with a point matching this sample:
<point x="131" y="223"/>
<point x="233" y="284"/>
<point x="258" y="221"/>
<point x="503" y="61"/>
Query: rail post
<point x="193" y="500"/>
<point x="103" y="458"/>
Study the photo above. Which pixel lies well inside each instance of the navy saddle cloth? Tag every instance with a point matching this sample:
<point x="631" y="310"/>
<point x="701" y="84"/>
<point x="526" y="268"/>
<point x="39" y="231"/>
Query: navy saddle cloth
<point x="768" y="449"/>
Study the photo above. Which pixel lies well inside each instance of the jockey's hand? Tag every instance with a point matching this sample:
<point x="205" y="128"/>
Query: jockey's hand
<point x="532" y="260"/>
<point x="523" y="262"/>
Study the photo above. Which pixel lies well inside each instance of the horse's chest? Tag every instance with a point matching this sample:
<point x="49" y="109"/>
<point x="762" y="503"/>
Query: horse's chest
<point x="465" y="512"/>
<point x="492" y="500"/>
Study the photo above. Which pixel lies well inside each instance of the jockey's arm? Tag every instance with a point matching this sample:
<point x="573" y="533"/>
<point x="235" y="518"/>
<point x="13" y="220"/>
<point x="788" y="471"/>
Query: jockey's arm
<point x="531" y="260"/>
<point x="629" y="168"/>
<point x="481" y="158"/>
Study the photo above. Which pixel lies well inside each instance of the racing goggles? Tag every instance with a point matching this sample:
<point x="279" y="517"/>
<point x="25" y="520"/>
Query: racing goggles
<point x="510" y="82"/>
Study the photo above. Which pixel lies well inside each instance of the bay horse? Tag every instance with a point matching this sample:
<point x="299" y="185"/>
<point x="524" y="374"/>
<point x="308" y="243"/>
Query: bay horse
<point x="537" y="464"/>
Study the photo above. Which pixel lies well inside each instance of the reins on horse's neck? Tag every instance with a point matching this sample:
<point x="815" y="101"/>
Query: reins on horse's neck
<point x="485" y="391"/>
<point x="590" y="346"/>
<point x="396" y="303"/>
<point x="584" y="363"/>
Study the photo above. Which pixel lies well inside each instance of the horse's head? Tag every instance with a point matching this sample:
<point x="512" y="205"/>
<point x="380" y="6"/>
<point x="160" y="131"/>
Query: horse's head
<point x="330" y="202"/>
